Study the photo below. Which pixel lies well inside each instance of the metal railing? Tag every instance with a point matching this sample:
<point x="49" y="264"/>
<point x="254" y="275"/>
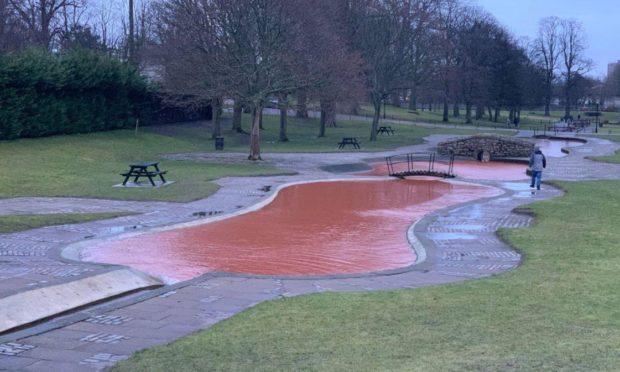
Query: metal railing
<point x="420" y="164"/>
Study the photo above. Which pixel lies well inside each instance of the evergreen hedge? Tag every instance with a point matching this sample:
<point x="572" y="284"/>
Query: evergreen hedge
<point x="43" y="94"/>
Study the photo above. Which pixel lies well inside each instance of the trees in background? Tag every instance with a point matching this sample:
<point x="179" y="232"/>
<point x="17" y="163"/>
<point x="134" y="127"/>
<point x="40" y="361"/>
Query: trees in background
<point x="546" y="53"/>
<point x="326" y="51"/>
<point x="572" y="47"/>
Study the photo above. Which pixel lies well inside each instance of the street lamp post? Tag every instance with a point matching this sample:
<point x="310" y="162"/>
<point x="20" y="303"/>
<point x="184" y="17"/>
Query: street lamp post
<point x="597" y="114"/>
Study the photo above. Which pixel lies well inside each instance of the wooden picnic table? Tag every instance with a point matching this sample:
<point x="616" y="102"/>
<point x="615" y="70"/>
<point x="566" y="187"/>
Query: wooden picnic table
<point x="140" y="170"/>
<point x="349" y="141"/>
<point x="385" y="129"/>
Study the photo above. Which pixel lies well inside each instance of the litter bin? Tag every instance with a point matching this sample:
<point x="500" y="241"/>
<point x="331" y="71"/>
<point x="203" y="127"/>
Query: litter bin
<point x="219" y="143"/>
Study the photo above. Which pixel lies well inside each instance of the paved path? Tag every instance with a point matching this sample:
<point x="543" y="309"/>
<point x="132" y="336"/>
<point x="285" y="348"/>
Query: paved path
<point x="459" y="244"/>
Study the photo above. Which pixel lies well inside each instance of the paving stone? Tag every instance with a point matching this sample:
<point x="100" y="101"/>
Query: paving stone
<point x="108" y="338"/>
<point x="14" y="348"/>
<point x="102" y="360"/>
<point x="109" y="319"/>
<point x="12" y="363"/>
<point x="55" y="354"/>
<point x="126" y="347"/>
<point x="49" y="366"/>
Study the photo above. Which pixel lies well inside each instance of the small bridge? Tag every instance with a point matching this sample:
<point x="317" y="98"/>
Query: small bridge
<point x="420" y="164"/>
<point x="487" y="147"/>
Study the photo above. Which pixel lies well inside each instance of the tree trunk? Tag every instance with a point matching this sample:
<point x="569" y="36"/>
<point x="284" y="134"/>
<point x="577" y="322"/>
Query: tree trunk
<point x="322" y="122"/>
<point x="446" y="110"/>
<point x="377" y="99"/>
<point x="216" y="105"/>
<point x="130" y="39"/>
<point x="567" y="105"/>
<point x="302" y="109"/>
<point x="413" y="99"/>
<point x="496" y="116"/>
<point x="260" y="119"/>
<point x="468" y="113"/>
<point x="547" y="106"/>
<point x="255" y="132"/>
<point x="283" y="103"/>
<point x="455" y="110"/>
<point x="330" y="114"/>
<point x="479" y="111"/>
<point x="237" y="114"/>
<point x="490" y="113"/>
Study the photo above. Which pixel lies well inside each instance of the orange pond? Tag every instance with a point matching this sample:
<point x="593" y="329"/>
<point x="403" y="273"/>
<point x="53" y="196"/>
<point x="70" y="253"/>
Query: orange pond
<point x="470" y="169"/>
<point x="319" y="228"/>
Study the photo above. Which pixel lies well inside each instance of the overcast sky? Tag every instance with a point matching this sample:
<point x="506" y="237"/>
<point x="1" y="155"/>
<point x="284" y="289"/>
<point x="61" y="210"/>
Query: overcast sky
<point x="600" y="19"/>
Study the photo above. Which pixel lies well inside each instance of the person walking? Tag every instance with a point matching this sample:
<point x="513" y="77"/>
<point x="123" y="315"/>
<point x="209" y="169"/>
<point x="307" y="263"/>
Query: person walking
<point x="537" y="163"/>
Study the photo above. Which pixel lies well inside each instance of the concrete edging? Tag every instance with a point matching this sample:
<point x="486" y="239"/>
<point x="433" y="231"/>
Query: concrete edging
<point x="31" y="306"/>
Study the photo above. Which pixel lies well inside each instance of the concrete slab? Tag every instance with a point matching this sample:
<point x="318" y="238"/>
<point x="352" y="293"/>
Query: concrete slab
<point x="29" y="306"/>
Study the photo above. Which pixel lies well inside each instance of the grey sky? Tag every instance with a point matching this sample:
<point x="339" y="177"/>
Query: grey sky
<point x="600" y="18"/>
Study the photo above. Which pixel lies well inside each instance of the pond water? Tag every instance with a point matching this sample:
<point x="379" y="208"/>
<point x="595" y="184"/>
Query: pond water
<point x="320" y="228"/>
<point x="468" y="169"/>
<point x="553" y="148"/>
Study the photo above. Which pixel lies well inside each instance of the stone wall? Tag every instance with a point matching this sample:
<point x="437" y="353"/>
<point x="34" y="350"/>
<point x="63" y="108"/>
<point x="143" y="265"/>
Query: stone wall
<point x="487" y="147"/>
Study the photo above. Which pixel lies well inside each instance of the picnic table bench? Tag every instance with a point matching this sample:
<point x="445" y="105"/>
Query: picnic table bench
<point x="349" y="141"/>
<point x="385" y="129"/>
<point x="140" y="170"/>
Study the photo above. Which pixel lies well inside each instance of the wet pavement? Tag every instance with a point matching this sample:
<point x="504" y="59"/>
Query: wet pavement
<point x="452" y="244"/>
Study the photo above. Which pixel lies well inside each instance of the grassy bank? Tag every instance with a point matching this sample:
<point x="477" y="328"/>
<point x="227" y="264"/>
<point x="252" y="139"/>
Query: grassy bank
<point x="89" y="165"/>
<point x="20" y="222"/>
<point x="558" y="311"/>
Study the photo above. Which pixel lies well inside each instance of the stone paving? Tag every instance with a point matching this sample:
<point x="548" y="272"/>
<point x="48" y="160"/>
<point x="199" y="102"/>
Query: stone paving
<point x="459" y="244"/>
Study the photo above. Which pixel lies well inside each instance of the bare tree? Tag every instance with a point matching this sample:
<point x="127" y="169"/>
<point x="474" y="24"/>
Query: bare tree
<point x="572" y="46"/>
<point x="131" y="33"/>
<point x="546" y="51"/>
<point x="378" y="30"/>
<point x="43" y="17"/>
<point x="450" y="15"/>
<point x="13" y="32"/>
<point x="423" y="16"/>
<point x="247" y="50"/>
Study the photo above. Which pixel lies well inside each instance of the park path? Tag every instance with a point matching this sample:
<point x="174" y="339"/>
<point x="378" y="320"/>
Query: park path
<point x="459" y="244"/>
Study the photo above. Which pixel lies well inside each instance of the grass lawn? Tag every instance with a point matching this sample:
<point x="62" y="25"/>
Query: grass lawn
<point x="303" y="133"/>
<point x="528" y="118"/>
<point x="20" y="222"/>
<point x="560" y="310"/>
<point x="89" y="165"/>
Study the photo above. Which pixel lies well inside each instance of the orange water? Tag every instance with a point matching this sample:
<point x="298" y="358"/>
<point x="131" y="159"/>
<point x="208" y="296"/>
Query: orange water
<point x="309" y="229"/>
<point x="469" y="169"/>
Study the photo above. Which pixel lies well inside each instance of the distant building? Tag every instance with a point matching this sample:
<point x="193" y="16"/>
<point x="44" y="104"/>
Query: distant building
<point x="611" y="67"/>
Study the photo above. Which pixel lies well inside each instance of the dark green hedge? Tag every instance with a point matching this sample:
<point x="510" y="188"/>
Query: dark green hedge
<point x="43" y="94"/>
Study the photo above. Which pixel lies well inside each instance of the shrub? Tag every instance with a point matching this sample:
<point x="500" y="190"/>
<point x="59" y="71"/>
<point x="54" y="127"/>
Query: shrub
<point x="43" y="94"/>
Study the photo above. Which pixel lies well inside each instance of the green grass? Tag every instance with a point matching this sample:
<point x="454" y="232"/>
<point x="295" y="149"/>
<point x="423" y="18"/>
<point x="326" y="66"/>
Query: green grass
<point x="528" y="118"/>
<point x="560" y="310"/>
<point x="20" y="222"/>
<point x="89" y="165"/>
<point x="303" y="133"/>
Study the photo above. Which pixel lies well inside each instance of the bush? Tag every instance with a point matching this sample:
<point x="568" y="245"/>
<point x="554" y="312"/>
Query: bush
<point x="43" y="94"/>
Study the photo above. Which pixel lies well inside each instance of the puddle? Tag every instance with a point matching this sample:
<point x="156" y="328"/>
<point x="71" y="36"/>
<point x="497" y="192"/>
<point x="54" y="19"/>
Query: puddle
<point x="451" y="236"/>
<point x="553" y="148"/>
<point x="321" y="228"/>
